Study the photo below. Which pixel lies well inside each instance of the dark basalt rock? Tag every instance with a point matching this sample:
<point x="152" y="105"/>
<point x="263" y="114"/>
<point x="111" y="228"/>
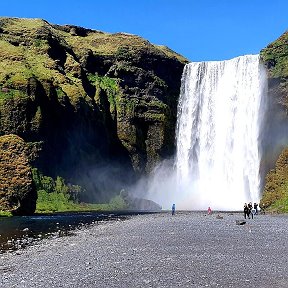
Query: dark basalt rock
<point x="136" y="203"/>
<point x="240" y="222"/>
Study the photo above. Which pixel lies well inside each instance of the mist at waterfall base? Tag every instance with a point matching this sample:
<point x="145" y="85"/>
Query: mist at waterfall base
<point x="220" y="118"/>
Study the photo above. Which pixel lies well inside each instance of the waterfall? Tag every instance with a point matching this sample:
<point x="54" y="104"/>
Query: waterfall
<point x="220" y="110"/>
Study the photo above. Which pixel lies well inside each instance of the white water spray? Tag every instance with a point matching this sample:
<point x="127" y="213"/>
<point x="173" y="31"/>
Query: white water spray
<point x="220" y="111"/>
<point x="219" y="115"/>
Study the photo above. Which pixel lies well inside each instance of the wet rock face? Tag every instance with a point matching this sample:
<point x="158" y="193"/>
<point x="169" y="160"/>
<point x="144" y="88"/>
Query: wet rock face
<point x="17" y="192"/>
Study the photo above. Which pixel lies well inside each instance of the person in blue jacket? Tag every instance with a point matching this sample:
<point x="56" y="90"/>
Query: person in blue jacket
<point x="173" y="209"/>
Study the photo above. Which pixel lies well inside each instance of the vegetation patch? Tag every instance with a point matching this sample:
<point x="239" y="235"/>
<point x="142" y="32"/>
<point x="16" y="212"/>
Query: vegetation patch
<point x="109" y="85"/>
<point x="57" y="196"/>
<point x="275" y="195"/>
<point x="276" y="57"/>
<point x="5" y="213"/>
<point x="6" y="93"/>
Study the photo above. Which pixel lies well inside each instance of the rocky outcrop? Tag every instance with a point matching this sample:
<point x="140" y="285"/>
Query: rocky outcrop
<point x="139" y="204"/>
<point x="275" y="142"/>
<point x="275" y="58"/>
<point x="17" y="192"/>
<point x="88" y="98"/>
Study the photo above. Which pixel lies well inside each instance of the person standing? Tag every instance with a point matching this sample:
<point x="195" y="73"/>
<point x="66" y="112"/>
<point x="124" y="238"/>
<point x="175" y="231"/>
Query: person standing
<point x="246" y="211"/>
<point x="256" y="208"/>
<point x="173" y="209"/>
<point x="250" y="209"/>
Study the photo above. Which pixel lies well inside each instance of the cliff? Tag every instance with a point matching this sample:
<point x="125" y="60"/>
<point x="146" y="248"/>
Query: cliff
<point x="101" y="108"/>
<point x="275" y="58"/>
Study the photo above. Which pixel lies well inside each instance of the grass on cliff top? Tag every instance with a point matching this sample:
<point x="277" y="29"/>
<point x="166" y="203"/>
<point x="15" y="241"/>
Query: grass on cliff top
<point x="108" y="44"/>
<point x="21" y="25"/>
<point x="30" y="57"/>
<point x="97" y="41"/>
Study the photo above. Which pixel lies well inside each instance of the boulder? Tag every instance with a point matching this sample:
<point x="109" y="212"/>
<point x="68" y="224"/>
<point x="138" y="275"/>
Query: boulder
<point x="240" y="222"/>
<point x="17" y="191"/>
<point x="141" y="204"/>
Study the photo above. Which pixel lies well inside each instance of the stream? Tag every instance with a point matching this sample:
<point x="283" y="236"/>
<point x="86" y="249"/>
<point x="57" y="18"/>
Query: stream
<point x="19" y="231"/>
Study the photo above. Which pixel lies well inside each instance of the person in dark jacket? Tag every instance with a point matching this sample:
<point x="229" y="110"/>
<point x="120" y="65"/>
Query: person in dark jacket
<point x="246" y="211"/>
<point x="256" y="208"/>
<point x="250" y="207"/>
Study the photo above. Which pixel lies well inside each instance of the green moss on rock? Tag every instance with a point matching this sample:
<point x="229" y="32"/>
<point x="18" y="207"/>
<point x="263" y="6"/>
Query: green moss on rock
<point x="275" y="55"/>
<point x="275" y="58"/>
<point x="17" y="192"/>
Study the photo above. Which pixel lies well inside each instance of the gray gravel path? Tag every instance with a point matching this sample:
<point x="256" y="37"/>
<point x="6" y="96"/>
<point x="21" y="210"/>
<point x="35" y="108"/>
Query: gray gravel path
<point x="158" y="250"/>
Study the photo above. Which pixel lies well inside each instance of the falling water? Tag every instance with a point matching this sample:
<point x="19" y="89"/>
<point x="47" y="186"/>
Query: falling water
<point x="218" y="133"/>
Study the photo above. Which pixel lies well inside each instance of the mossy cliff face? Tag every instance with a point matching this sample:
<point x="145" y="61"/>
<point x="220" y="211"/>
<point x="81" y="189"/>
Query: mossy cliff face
<point x="17" y="192"/>
<point x="276" y="186"/>
<point x="88" y="98"/>
<point x="275" y="58"/>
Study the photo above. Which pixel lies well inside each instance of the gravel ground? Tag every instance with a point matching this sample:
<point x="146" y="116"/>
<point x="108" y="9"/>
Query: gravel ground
<point x="158" y="250"/>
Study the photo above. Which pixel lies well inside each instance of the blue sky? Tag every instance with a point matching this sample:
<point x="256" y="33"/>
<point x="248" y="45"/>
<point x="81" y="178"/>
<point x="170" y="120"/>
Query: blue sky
<point x="200" y="30"/>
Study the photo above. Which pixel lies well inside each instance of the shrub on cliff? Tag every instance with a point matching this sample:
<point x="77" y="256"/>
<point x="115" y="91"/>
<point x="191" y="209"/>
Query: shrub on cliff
<point x="275" y="195"/>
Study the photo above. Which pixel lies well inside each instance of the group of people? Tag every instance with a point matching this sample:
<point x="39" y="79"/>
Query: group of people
<point x="250" y="210"/>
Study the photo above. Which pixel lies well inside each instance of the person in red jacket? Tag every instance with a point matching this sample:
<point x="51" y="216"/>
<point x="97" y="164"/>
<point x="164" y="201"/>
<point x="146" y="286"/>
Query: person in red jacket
<point x="209" y="211"/>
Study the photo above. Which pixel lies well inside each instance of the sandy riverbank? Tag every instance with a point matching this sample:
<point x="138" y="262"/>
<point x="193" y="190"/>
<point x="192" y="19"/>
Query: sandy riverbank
<point x="158" y="250"/>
